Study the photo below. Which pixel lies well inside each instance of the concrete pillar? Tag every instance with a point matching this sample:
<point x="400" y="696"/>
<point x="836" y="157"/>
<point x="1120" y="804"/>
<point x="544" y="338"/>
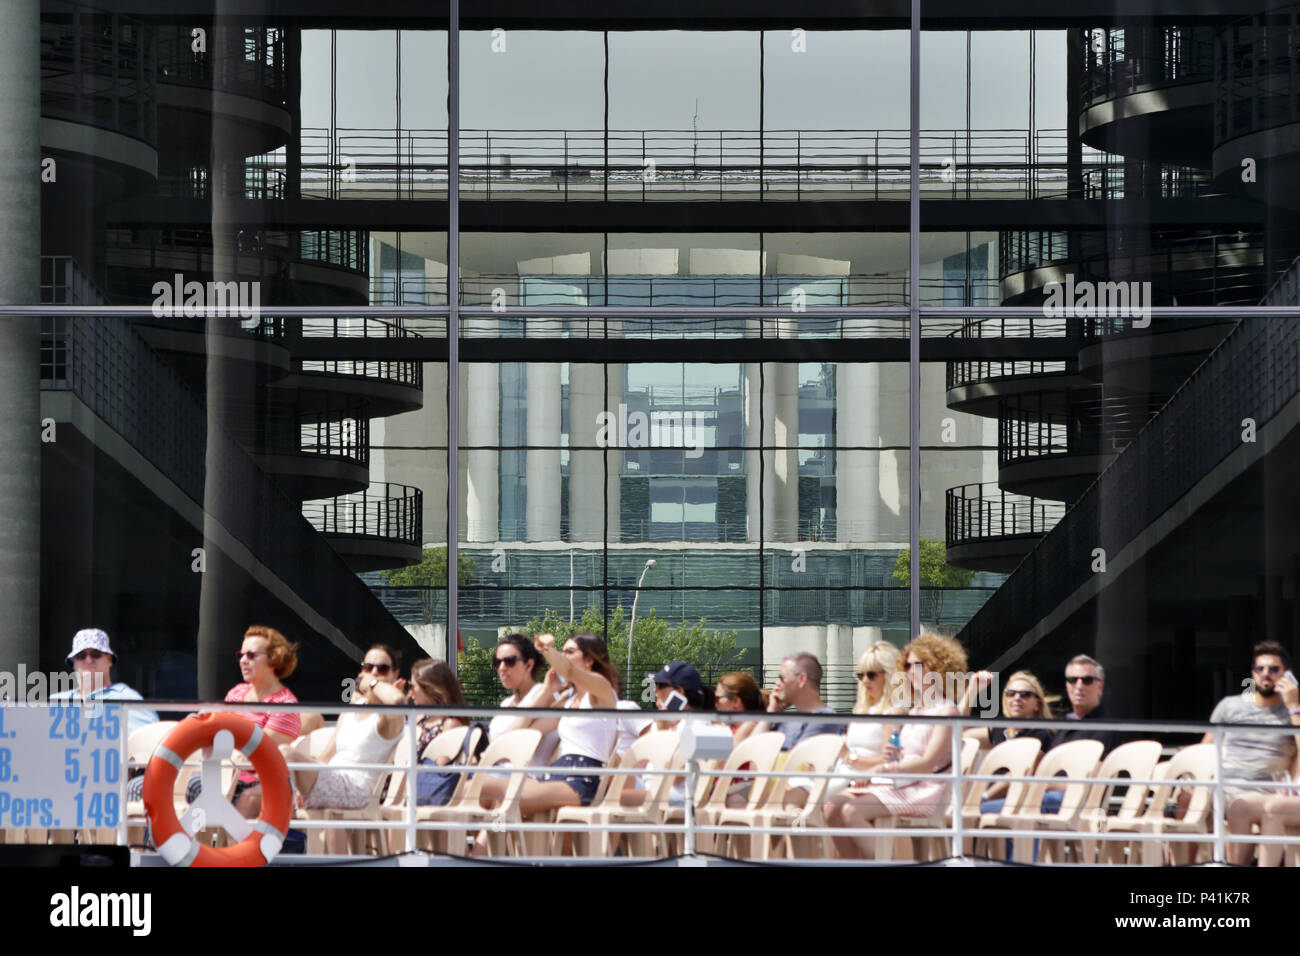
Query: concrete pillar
<point x="542" y="460"/>
<point x="857" y="473"/>
<point x="839" y="688"/>
<point x="482" y="428"/>
<point x="543" y="419"/>
<point x="779" y="467"/>
<point x="590" y="493"/>
<point x="782" y="642"/>
<point x="20" y="250"/>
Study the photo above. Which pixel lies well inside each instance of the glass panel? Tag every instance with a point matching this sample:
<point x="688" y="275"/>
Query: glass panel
<point x="532" y="115"/>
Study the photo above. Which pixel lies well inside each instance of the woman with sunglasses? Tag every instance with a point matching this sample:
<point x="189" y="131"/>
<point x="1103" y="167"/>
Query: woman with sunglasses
<point x="266" y="658"/>
<point x="518" y="665"/>
<point x="582" y="677"/>
<point x="1022" y="698"/>
<point x="357" y="738"/>
<point x="928" y="683"/>
<point x="864" y="742"/>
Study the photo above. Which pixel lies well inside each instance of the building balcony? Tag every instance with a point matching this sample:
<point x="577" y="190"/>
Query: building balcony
<point x="304" y="268"/>
<point x="1048" y="452"/>
<point x="1256" y="108"/>
<point x="372" y="529"/>
<point x="237" y="89"/>
<point x="1183" y="267"/>
<point x="99" y="100"/>
<point x="976" y="386"/>
<point x="316" y="459"/>
<point x="989" y="529"/>
<point x="386" y="386"/>
<point x="633" y="165"/>
<point x="1148" y="86"/>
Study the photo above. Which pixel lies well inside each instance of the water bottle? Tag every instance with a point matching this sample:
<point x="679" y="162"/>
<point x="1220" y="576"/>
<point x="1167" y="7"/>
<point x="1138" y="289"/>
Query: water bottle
<point x="896" y="740"/>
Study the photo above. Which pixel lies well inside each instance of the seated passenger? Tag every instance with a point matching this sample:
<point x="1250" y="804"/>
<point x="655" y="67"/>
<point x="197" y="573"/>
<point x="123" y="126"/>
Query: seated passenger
<point x="265" y="659"/>
<point x="356" y="739"/>
<point x="581" y="677"/>
<point x="1022" y="698"/>
<point x="865" y="742"/>
<point x="434" y="685"/>
<point x="932" y="666"/>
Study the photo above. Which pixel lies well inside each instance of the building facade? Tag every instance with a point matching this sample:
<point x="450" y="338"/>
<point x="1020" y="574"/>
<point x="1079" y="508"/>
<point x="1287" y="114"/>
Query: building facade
<point x="741" y="329"/>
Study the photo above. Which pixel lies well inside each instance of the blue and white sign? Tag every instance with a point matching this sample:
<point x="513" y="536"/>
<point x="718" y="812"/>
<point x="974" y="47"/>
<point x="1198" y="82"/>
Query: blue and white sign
<point x="61" y="766"/>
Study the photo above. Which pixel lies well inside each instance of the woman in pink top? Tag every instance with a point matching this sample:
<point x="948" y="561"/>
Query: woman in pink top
<point x="265" y="658"/>
<point x="928" y="681"/>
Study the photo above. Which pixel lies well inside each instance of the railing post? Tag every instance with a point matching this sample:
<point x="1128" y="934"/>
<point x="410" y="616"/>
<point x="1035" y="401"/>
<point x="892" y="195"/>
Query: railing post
<point x="413" y="761"/>
<point x="957" y="795"/>
<point x="1220" y="855"/>
<point x="122" y="779"/>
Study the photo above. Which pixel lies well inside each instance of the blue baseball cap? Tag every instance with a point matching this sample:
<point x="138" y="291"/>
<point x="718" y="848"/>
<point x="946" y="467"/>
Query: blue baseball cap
<point x="680" y="673"/>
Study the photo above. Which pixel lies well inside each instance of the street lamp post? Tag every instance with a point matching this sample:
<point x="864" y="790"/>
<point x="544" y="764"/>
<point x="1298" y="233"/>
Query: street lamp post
<point x="631" y="628"/>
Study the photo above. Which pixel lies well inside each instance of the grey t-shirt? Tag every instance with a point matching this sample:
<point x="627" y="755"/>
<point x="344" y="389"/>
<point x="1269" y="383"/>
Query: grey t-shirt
<point x="795" y="732"/>
<point x="1254" y="756"/>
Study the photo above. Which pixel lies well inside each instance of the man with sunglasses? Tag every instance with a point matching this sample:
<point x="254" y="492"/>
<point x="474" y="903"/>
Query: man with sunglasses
<point x="1269" y="698"/>
<point x="92" y="661"/>
<point x="1085" y="679"/>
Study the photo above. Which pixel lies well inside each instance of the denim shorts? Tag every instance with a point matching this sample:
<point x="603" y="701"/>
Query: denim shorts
<point x="583" y="784"/>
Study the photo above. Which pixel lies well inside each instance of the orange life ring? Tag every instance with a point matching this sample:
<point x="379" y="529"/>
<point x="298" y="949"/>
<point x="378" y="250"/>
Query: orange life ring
<point x="199" y="730"/>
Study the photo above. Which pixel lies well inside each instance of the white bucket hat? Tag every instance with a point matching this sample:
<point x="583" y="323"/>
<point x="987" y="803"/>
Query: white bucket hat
<point x="90" y="639"/>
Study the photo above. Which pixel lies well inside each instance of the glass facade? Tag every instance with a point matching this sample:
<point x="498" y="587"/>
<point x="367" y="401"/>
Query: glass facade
<point x="737" y="339"/>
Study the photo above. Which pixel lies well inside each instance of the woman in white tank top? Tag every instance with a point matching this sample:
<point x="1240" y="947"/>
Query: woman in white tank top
<point x="581" y="677"/>
<point x="357" y="738"/>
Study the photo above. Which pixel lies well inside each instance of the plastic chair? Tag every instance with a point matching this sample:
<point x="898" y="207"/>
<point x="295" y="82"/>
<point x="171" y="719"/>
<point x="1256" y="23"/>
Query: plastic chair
<point x="759" y="750"/>
<point x="514" y="749"/>
<point x="816" y="755"/>
<point x="318" y="742"/>
<point x="1137" y="760"/>
<point x="1195" y="762"/>
<point x="1015" y="757"/>
<point x="676" y="816"/>
<point x="1075" y="758"/>
<point x="447" y="746"/>
<point x="931" y="848"/>
<point x="656" y="749"/>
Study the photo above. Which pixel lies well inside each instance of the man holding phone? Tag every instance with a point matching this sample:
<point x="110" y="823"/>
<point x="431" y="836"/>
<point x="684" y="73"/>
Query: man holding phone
<point x="1269" y="698"/>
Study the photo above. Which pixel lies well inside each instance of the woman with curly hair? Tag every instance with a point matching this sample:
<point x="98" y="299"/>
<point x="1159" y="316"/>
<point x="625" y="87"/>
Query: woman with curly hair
<point x="927" y="682"/>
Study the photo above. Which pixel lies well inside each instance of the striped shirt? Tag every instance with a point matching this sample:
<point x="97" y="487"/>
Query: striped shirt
<point x="289" y="724"/>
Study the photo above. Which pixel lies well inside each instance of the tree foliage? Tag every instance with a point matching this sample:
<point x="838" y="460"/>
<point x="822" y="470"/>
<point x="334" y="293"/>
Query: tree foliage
<point x="655" y="643"/>
<point x="430" y="575"/>
<point x="936" y="575"/>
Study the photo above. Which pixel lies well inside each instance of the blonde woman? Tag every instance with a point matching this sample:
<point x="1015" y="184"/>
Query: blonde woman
<point x="865" y="742"/>
<point x="1022" y="698"/>
<point x="929" y="675"/>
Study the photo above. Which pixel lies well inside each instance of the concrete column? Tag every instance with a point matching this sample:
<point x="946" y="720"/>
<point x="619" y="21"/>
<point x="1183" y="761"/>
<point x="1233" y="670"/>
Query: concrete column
<point x="20" y="250"/>
<point x="857" y="473"/>
<point x="780" y="466"/>
<point x="542" y="464"/>
<point x="482" y="428"/>
<point x="839" y="687"/>
<point x="587" y="501"/>
<point x="426" y="470"/>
